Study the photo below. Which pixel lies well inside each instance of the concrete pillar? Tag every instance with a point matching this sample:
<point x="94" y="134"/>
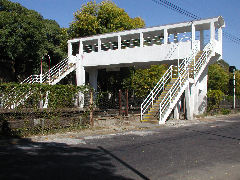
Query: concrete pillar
<point x="176" y="112"/>
<point x="119" y="42"/>
<point x="69" y="49"/>
<point x="80" y="78"/>
<point x="131" y="43"/>
<point x="201" y="40"/>
<point x="111" y="45"/>
<point x="220" y="41"/>
<point x="200" y="104"/>
<point x="99" y="45"/>
<point x="212" y="31"/>
<point x="141" y="39"/>
<point x="93" y="74"/>
<point x="165" y="36"/>
<point x="80" y="47"/>
<point x="80" y="72"/>
<point x="193" y="35"/>
<point x="175" y="38"/>
<point x="189" y="98"/>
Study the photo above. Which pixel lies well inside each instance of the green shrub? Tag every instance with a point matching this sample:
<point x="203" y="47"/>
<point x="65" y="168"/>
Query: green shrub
<point x="225" y="111"/>
<point x="214" y="99"/>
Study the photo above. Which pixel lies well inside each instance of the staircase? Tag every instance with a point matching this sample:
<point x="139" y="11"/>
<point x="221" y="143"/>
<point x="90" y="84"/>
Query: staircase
<point x="53" y="76"/>
<point x="162" y="99"/>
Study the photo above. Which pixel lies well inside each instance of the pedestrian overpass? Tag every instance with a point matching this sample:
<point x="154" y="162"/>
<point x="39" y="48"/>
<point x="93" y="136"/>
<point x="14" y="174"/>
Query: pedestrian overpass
<point x="188" y="47"/>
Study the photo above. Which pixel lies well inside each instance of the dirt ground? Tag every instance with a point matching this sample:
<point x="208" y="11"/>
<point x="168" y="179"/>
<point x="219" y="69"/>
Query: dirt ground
<point x="119" y="125"/>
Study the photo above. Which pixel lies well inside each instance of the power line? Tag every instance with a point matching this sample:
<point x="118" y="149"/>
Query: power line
<point x="174" y="7"/>
<point x="182" y="11"/>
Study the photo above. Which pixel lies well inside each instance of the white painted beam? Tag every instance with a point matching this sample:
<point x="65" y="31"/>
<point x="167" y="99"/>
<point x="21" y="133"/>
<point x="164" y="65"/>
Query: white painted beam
<point x="212" y="30"/>
<point x="165" y="36"/>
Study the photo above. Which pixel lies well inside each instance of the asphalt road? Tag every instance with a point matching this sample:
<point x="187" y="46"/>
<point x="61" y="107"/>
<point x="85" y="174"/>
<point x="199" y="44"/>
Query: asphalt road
<point x="203" y="151"/>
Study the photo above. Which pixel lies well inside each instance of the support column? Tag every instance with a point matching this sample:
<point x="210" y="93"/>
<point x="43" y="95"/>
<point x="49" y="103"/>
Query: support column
<point x="200" y="105"/>
<point x="176" y="113"/>
<point x="141" y="39"/>
<point x="131" y="43"/>
<point x="69" y="49"/>
<point x="80" y="47"/>
<point x="189" y="98"/>
<point x="111" y="45"/>
<point x="165" y="36"/>
<point x="93" y="74"/>
<point x="80" y="78"/>
<point x="99" y="45"/>
<point x="212" y="31"/>
<point x="175" y="38"/>
<point x="201" y="39"/>
<point x="119" y="42"/>
<point x="193" y="35"/>
<point x="220" y="41"/>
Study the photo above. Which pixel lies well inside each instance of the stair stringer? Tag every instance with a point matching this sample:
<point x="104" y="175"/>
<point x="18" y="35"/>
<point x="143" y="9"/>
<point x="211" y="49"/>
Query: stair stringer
<point x="64" y="75"/>
<point x="163" y="118"/>
<point x="28" y="94"/>
<point x="212" y="54"/>
<point x="173" y="104"/>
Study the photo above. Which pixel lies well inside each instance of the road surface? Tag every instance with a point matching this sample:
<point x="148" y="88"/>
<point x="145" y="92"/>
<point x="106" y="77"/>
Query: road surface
<point x="201" y="151"/>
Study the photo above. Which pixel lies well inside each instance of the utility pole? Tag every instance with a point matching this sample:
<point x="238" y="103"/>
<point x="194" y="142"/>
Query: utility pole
<point x="91" y="109"/>
<point x="232" y="69"/>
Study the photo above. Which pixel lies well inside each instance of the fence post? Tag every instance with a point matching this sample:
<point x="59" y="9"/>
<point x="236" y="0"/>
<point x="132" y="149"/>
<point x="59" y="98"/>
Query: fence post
<point x="120" y="102"/>
<point x="91" y="109"/>
<point x="126" y="112"/>
<point x="160" y="113"/>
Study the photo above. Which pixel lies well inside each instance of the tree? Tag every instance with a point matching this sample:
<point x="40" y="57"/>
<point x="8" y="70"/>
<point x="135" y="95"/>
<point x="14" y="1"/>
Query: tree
<point x="218" y="78"/>
<point x="25" y="37"/>
<point x="237" y="79"/>
<point x="142" y="81"/>
<point x="101" y="18"/>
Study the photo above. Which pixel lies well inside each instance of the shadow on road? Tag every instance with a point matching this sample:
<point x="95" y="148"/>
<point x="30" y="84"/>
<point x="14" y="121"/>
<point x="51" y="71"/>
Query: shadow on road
<point x="24" y="159"/>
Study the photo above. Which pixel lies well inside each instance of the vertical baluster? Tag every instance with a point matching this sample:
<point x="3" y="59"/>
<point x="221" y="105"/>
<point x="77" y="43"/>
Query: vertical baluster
<point x="152" y="97"/>
<point x="194" y="67"/>
<point x="160" y="112"/>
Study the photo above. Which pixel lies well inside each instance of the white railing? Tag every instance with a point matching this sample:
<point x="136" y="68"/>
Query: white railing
<point x="183" y="77"/>
<point x="169" y="98"/>
<point x="31" y="79"/>
<point x="203" y="60"/>
<point x="158" y="89"/>
<point x="56" y="71"/>
<point x="49" y="77"/>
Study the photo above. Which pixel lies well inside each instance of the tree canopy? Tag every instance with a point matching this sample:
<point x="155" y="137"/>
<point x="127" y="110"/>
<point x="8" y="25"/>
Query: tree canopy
<point x="218" y="78"/>
<point x="105" y="17"/>
<point x="25" y="37"/>
<point x="142" y="81"/>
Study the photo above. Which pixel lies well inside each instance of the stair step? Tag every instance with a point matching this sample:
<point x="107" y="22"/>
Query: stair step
<point x="154" y="121"/>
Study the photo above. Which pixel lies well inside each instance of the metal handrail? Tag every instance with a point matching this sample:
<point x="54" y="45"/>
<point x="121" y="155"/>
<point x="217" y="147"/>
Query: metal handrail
<point x="203" y="58"/>
<point x="56" y="70"/>
<point x="183" y="77"/>
<point x="159" y="87"/>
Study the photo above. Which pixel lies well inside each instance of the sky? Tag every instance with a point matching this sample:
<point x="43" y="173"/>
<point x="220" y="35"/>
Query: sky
<point x="153" y="14"/>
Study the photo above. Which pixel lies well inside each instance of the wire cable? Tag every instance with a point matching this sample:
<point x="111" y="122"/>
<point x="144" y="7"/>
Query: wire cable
<point x="182" y="11"/>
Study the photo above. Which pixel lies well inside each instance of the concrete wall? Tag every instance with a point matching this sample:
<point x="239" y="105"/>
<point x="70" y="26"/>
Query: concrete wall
<point x="137" y="55"/>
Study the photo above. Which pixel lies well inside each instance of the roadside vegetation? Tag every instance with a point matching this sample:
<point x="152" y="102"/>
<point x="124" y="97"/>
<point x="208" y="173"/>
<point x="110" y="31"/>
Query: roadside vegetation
<point x="26" y="37"/>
